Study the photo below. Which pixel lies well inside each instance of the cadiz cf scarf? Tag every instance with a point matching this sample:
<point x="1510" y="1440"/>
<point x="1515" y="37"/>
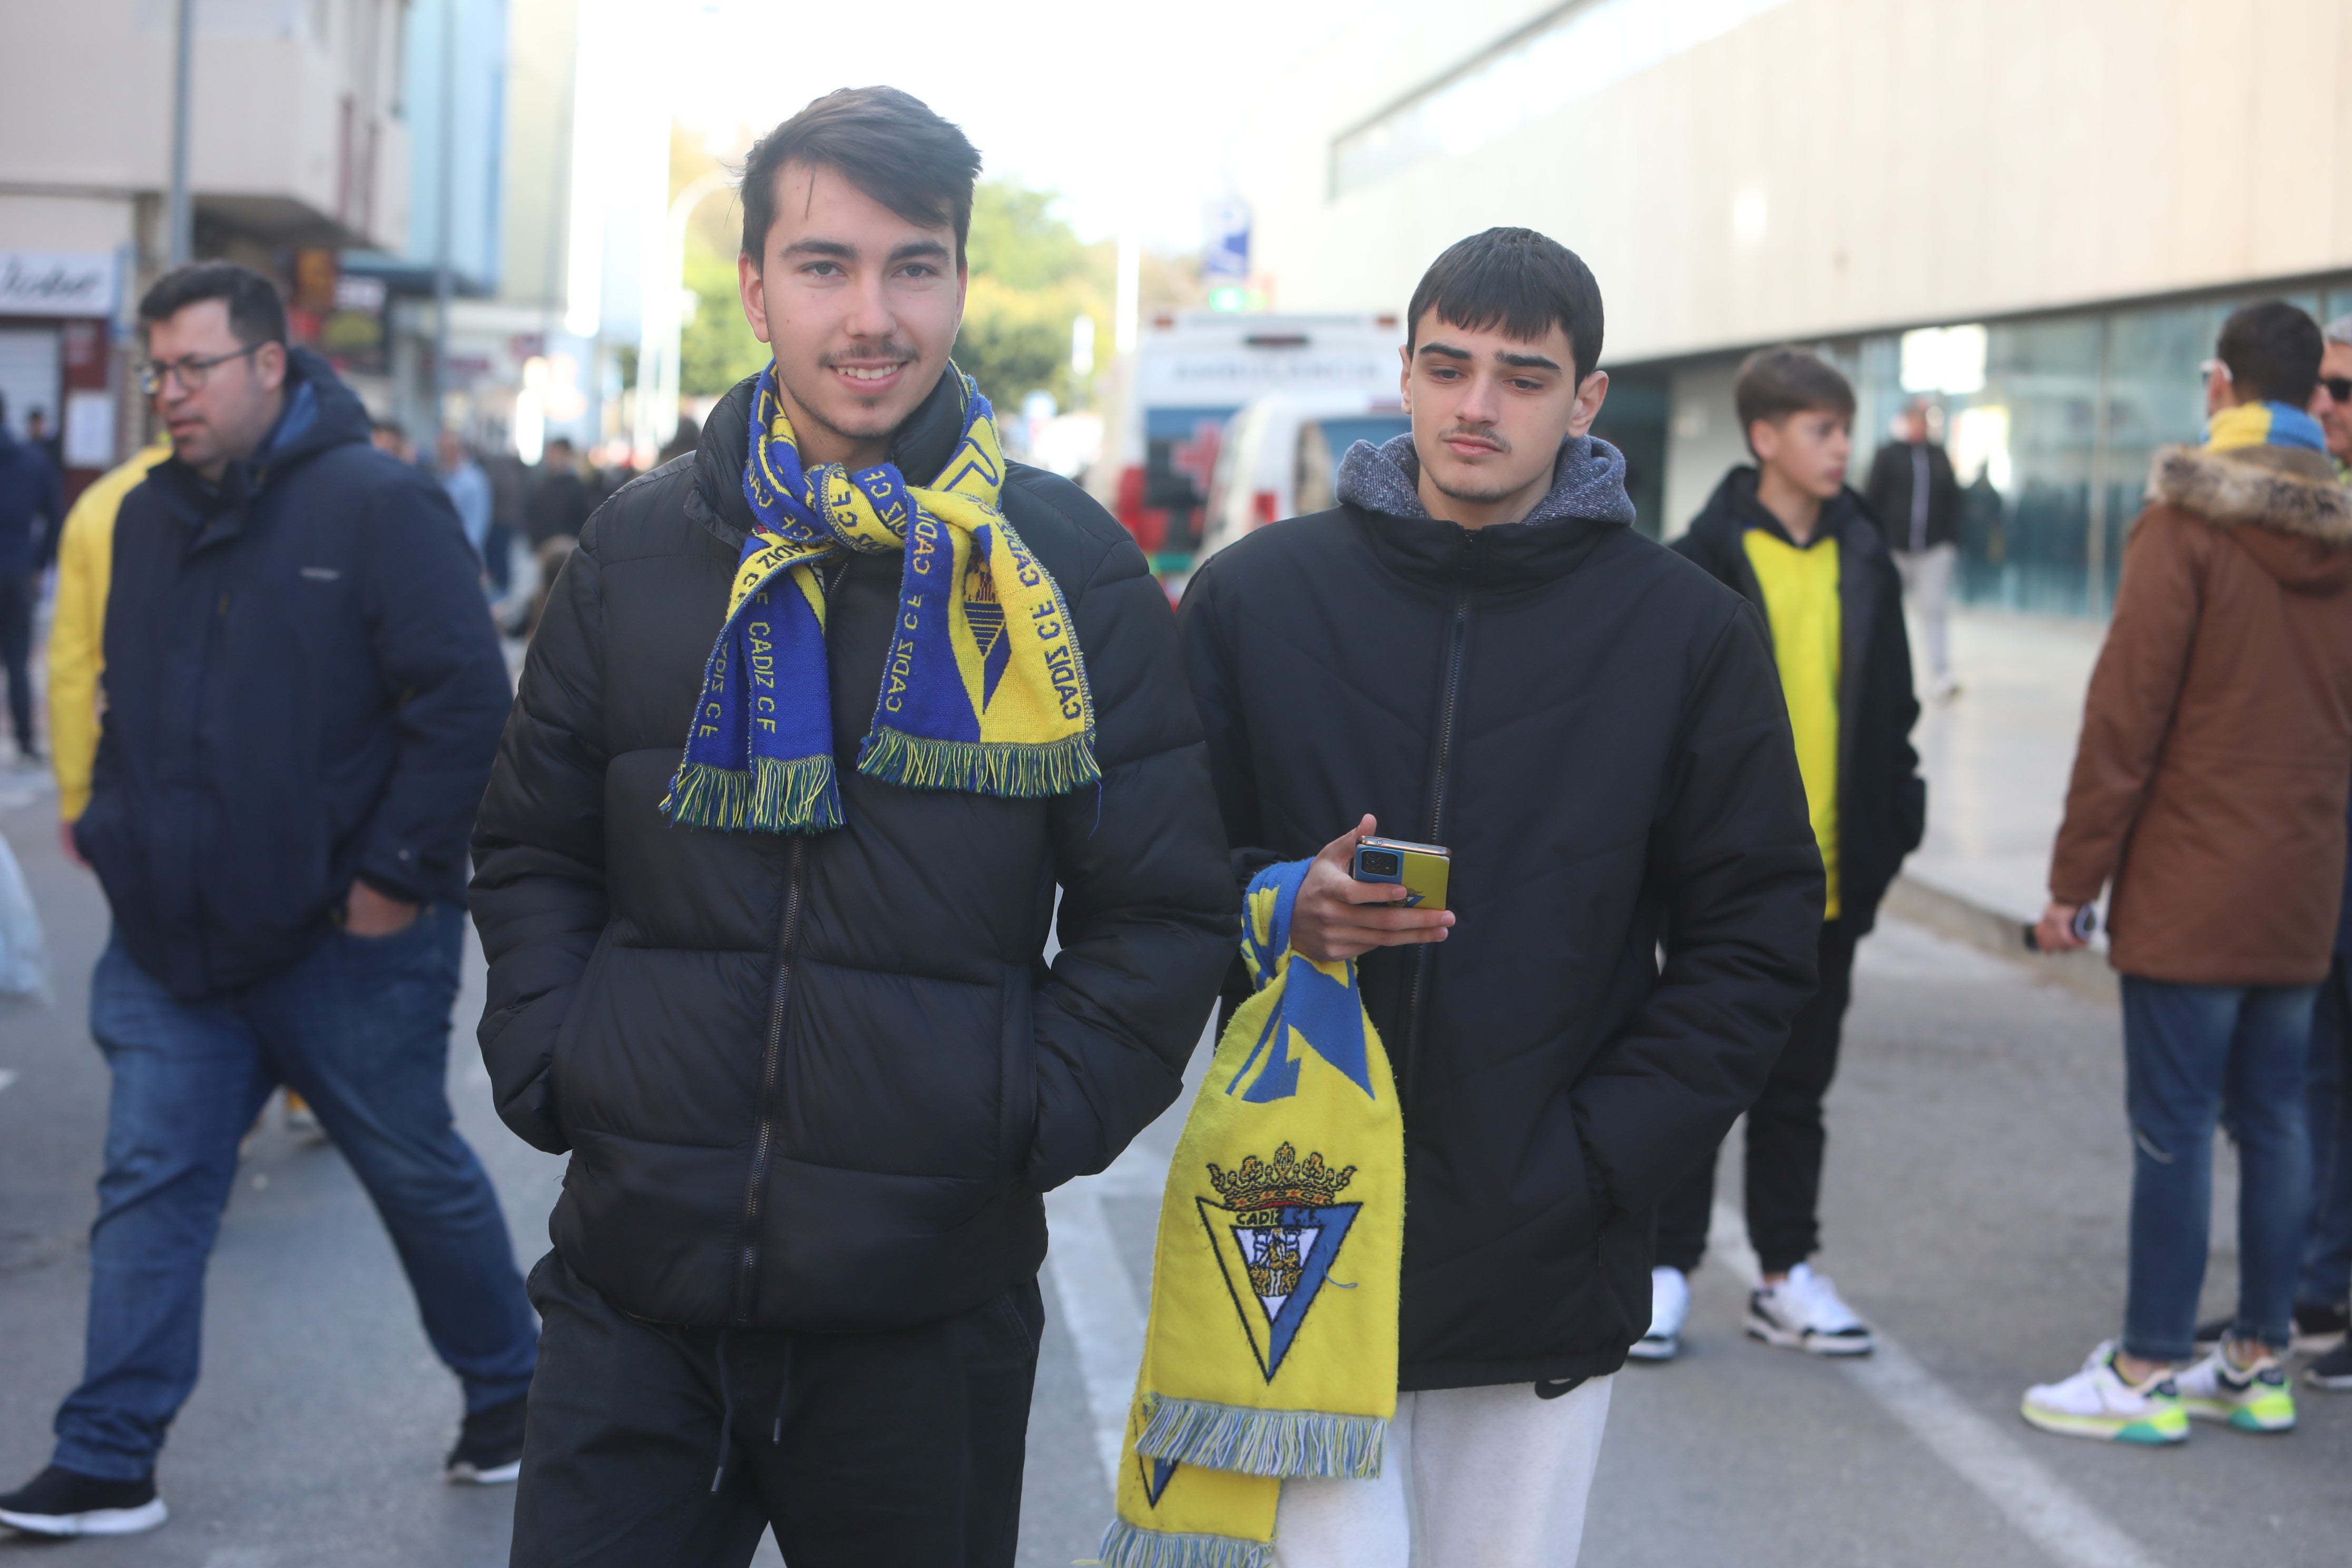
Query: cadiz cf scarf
<point x="984" y="689"/>
<point x="2263" y="424"/>
<point x="1272" y="1350"/>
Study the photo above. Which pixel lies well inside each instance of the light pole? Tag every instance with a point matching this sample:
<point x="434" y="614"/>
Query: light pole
<point x="661" y="320"/>
<point x="444" y="250"/>
<point x="181" y="220"/>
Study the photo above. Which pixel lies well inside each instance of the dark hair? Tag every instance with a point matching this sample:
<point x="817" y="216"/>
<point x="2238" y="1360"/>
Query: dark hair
<point x="1515" y="279"/>
<point x="887" y="142"/>
<point x="1775" y="383"/>
<point x="2272" y="350"/>
<point x="256" y="313"/>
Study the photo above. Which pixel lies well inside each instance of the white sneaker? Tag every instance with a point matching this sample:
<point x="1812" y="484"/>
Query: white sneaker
<point x="2097" y="1403"/>
<point x="1669" y="1310"/>
<point x="2255" y="1398"/>
<point x="1805" y="1313"/>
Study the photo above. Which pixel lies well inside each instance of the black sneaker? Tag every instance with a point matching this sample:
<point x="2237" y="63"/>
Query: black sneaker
<point x="65" y="1502"/>
<point x="2318" y="1327"/>
<point x="489" y="1444"/>
<point x="2333" y="1369"/>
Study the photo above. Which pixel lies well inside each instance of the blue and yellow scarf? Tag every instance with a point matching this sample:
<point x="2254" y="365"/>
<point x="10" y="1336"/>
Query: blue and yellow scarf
<point x="2263" y="424"/>
<point x="1272" y="1347"/>
<point x="984" y="689"/>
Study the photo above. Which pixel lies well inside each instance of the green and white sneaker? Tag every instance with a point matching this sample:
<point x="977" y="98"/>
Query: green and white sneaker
<point x="2097" y="1402"/>
<point x="2255" y="1398"/>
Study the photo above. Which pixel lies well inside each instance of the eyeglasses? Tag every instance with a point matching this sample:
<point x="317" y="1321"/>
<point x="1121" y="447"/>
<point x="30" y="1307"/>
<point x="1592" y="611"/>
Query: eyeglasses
<point x="189" y="373"/>
<point x="2340" y="387"/>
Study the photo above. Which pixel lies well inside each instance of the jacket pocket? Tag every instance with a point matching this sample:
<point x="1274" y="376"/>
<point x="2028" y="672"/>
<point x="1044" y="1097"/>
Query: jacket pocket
<point x="1017" y="1053"/>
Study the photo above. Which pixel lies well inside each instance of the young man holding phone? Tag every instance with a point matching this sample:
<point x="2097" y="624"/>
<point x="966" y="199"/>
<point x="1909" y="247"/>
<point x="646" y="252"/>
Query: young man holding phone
<point x="1475" y="651"/>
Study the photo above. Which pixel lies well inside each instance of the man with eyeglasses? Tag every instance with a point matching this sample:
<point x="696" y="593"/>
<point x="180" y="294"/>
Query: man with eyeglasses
<point x="302" y="695"/>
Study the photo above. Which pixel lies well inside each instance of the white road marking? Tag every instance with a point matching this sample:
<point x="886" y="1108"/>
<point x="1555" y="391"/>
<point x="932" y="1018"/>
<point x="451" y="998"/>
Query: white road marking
<point x="1101" y="1307"/>
<point x="2048" y="1511"/>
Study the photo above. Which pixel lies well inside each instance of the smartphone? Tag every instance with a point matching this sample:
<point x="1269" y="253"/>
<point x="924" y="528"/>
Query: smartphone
<point x="1421" y="868"/>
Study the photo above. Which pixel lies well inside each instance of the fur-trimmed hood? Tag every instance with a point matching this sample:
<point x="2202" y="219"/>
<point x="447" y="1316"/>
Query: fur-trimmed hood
<point x="2284" y="488"/>
<point x="2283" y="504"/>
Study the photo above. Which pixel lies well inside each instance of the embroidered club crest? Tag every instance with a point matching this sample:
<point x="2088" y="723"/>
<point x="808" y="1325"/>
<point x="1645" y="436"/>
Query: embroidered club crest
<point x="1276" y="1236"/>
<point x="985" y="615"/>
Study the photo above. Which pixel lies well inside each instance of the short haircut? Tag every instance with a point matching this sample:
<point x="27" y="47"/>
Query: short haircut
<point x="2273" y="352"/>
<point x="2339" y="330"/>
<point x="256" y="313"/>
<point x="1773" y="383"/>
<point x="886" y="142"/>
<point x="1518" y="280"/>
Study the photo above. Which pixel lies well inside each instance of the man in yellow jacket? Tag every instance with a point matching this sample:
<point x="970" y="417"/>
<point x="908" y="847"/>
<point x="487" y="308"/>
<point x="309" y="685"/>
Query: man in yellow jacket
<point x="77" y="635"/>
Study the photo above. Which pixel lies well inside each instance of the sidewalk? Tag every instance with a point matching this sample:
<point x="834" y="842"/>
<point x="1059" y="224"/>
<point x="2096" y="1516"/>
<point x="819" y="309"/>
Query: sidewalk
<point x="1997" y="758"/>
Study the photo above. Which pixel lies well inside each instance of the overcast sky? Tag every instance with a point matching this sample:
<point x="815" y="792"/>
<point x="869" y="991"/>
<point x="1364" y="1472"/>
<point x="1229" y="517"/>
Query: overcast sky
<point x="1127" y="109"/>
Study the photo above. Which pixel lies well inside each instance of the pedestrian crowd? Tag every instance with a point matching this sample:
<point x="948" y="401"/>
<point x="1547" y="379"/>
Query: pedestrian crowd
<point x="835" y="723"/>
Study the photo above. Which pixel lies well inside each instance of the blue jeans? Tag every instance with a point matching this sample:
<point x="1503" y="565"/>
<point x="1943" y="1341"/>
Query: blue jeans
<point x="2191" y="1055"/>
<point x="2327" y="1257"/>
<point x="361" y="1029"/>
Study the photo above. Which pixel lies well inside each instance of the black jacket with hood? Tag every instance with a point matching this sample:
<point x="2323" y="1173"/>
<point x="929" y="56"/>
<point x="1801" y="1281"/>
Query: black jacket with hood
<point x="302" y="688"/>
<point x="819" y="1082"/>
<point x="1594" y="729"/>
<point x="1882" y="799"/>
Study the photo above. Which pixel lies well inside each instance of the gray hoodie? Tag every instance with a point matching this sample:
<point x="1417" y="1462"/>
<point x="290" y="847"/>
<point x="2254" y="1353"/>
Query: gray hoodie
<point x="1587" y="480"/>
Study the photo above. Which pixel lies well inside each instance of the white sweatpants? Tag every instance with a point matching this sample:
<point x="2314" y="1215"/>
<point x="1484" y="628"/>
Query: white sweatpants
<point x="1928" y="579"/>
<point x="1471" y="1478"/>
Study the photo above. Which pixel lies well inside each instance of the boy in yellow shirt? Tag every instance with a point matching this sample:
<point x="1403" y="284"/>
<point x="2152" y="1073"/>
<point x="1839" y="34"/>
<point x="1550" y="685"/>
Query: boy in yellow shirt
<point x="1798" y="546"/>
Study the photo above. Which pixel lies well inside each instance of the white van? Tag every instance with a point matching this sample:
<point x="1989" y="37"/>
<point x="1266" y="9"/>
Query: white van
<point x="1280" y="456"/>
<point x="1166" y="406"/>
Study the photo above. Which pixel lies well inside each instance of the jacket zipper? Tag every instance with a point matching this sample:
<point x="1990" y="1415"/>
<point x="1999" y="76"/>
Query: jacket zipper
<point x="1439" y="762"/>
<point x="763" y="1137"/>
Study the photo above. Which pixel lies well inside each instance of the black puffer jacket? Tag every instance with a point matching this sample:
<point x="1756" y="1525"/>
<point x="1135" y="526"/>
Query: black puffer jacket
<point x="819" y="1082"/>
<point x="1594" y="729"/>
<point x="1882" y="799"/>
<point x="302" y="687"/>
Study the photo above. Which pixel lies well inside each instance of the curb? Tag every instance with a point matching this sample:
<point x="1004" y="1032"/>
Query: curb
<point x="2084" y="971"/>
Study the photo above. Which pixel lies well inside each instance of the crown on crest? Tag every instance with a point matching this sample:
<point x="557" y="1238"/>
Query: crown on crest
<point x="1285" y="1183"/>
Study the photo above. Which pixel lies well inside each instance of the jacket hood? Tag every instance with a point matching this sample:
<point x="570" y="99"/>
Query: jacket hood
<point x="1733" y="508"/>
<point x="321" y="412"/>
<point x="919" y="448"/>
<point x="1588" y="482"/>
<point x="2282" y="503"/>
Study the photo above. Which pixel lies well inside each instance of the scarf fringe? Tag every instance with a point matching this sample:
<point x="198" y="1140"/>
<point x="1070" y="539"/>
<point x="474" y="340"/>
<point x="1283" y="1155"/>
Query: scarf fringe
<point x="1264" y="1442"/>
<point x="1010" y="768"/>
<point x="1126" y="1546"/>
<point x="774" y="796"/>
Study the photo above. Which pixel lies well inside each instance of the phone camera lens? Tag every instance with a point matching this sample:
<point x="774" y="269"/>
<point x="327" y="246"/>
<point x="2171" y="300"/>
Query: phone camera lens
<point x="1382" y="862"/>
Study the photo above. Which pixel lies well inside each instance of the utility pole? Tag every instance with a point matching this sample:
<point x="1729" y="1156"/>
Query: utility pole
<point x="443" y="284"/>
<point x="181" y="217"/>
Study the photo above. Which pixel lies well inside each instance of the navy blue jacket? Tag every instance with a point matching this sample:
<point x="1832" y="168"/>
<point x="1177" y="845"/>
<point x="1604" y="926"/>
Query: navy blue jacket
<point x="302" y="688"/>
<point x="32" y="507"/>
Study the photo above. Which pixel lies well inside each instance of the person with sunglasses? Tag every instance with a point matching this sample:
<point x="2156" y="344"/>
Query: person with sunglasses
<point x="302" y="693"/>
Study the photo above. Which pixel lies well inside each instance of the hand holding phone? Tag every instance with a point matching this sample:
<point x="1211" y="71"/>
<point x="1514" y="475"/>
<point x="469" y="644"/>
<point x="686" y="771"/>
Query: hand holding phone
<point x="1337" y="917"/>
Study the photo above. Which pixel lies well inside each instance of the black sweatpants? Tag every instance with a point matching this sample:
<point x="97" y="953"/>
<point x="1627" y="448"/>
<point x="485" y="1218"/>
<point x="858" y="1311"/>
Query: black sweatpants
<point x="1785" y="1137"/>
<point x="902" y="1447"/>
<point x="19" y="592"/>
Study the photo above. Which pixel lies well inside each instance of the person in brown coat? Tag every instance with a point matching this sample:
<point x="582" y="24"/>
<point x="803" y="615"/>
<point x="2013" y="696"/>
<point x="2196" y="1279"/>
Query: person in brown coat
<point x="2208" y="792"/>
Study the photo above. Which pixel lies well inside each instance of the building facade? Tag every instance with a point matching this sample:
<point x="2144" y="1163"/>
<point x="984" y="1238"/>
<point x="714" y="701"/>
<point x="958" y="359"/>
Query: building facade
<point x="2034" y="211"/>
<point x="298" y="142"/>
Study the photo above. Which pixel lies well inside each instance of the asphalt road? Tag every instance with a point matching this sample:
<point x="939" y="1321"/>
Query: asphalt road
<point x="1974" y="1210"/>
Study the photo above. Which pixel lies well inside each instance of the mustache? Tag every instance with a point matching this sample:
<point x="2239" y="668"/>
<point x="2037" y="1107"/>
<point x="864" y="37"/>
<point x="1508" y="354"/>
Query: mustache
<point x="877" y="351"/>
<point x="1477" y="434"/>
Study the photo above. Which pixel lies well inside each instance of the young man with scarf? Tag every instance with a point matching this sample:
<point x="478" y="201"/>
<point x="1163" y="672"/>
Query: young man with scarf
<point x="1407" y="1238"/>
<point x="2208" y="795"/>
<point x="819" y="719"/>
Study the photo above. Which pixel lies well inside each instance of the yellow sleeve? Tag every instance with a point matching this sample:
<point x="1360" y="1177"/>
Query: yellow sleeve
<point x="78" y="636"/>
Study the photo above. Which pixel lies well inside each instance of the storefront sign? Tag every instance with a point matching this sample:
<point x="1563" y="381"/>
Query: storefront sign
<point x="56" y="283"/>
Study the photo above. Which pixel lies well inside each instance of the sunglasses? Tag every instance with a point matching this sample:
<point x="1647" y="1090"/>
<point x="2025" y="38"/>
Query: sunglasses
<point x="2340" y="387"/>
